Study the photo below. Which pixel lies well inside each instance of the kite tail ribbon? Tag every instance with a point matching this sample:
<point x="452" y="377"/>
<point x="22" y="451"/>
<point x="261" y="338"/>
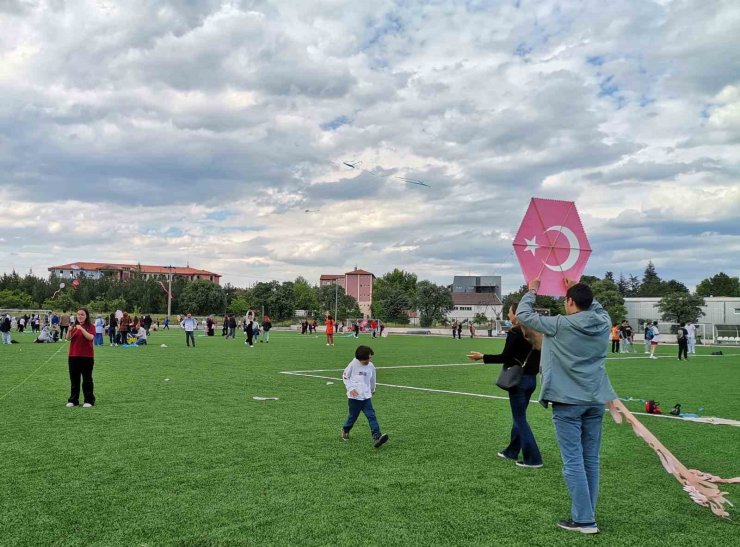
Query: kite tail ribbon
<point x="701" y="487"/>
<point x="165" y="290"/>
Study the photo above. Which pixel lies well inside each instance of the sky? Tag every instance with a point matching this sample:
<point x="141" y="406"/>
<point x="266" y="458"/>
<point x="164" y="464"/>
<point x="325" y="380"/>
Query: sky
<point x="213" y="133"/>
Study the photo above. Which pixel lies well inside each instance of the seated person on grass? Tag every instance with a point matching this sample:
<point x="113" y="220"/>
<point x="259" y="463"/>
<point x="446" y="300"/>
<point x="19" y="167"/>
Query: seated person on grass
<point x="44" y="336"/>
<point x="141" y="336"/>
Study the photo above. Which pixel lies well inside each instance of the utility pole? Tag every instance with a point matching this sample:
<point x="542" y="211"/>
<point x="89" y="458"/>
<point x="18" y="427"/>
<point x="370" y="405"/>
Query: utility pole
<point x="169" y="292"/>
<point x="336" y="299"/>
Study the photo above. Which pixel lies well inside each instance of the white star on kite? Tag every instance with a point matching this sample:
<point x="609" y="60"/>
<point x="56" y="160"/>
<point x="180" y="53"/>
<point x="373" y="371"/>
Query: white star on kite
<point x="531" y="245"/>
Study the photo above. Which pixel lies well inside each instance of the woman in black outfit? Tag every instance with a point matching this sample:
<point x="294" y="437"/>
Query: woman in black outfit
<point x="519" y="350"/>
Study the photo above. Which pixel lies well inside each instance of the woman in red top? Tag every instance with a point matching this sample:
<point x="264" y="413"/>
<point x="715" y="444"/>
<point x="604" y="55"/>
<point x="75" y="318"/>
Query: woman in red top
<point x="329" y="330"/>
<point x="81" y="359"/>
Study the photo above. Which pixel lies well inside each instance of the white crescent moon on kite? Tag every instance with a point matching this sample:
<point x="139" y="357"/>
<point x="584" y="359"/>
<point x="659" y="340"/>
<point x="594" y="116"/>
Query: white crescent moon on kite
<point x="356" y="165"/>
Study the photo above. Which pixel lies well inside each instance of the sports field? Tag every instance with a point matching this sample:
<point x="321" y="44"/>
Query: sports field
<point x="178" y="452"/>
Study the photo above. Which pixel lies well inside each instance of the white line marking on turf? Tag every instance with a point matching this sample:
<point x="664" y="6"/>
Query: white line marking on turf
<point x="34" y="372"/>
<point x="465" y="393"/>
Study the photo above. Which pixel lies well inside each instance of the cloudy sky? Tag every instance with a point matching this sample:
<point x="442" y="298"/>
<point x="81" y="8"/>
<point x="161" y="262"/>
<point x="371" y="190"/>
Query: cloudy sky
<point x="213" y="133"/>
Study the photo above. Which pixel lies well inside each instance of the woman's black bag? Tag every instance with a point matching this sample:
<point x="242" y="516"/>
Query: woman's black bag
<point x="510" y="377"/>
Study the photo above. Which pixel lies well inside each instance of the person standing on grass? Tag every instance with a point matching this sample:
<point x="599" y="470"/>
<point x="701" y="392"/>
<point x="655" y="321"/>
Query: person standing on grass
<point x="329" y="330"/>
<point x="459" y="330"/>
<point x="454" y="329"/>
<point x="266" y="326"/>
<point x="64" y="323"/>
<point x="519" y="350"/>
<point x="190" y="323"/>
<point x="359" y="379"/>
<point x="654" y="333"/>
<point x="123" y="326"/>
<point x="648" y="335"/>
<point x="99" y="329"/>
<point x="691" y="338"/>
<point x="80" y="360"/>
<point x="575" y="381"/>
<point x="615" y="336"/>
<point x="5" y="327"/>
<point x="232" y="328"/>
<point x="682" y="337"/>
<point x="250" y="332"/>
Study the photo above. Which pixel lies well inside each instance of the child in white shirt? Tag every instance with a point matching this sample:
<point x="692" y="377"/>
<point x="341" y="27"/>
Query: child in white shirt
<point x="359" y="379"/>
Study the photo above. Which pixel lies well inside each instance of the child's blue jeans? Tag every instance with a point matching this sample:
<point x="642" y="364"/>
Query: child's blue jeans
<point x="366" y="406"/>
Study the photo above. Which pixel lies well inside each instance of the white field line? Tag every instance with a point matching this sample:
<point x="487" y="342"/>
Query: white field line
<point x="307" y="373"/>
<point x="34" y="372"/>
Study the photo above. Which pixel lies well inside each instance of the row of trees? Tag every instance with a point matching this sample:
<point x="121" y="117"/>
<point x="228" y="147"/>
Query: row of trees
<point x="394" y="295"/>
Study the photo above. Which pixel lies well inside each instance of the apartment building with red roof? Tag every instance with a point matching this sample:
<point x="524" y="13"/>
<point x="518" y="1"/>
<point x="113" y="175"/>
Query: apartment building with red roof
<point x="358" y="284"/>
<point x="121" y="272"/>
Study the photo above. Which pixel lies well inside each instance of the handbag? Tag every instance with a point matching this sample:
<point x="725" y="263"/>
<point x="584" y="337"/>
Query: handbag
<point x="510" y="377"/>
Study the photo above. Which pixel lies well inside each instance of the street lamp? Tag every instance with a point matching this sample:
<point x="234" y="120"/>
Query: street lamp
<point x="336" y="299"/>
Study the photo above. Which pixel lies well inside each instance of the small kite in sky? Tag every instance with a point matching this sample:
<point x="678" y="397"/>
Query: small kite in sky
<point x="551" y="244"/>
<point x="356" y="165"/>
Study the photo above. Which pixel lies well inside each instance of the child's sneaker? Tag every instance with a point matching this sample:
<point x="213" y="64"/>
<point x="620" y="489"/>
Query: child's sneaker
<point x="345" y="434"/>
<point x="380" y="441"/>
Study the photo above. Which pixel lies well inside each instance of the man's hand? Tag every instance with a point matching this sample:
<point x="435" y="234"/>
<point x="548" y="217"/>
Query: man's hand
<point x="534" y="284"/>
<point x="475" y="356"/>
<point x="354" y="393"/>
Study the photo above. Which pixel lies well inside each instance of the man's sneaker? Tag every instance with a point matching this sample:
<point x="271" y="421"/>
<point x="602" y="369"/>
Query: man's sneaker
<point x="653" y="357"/>
<point x="380" y="441"/>
<point x="344" y="434"/>
<point x="70" y="405"/>
<point x="504" y="456"/>
<point x="87" y="405"/>
<point x="531" y="466"/>
<point x="582" y="527"/>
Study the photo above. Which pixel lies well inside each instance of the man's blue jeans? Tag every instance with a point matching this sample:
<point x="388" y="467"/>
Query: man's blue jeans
<point x="578" y="431"/>
<point x="522" y="438"/>
<point x="366" y="406"/>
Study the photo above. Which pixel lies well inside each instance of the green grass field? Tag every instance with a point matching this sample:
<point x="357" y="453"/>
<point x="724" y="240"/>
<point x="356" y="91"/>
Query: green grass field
<point x="177" y="451"/>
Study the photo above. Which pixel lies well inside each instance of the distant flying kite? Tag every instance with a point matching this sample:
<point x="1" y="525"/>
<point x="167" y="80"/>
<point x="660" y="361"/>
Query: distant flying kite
<point x="551" y="244"/>
<point x="356" y="165"/>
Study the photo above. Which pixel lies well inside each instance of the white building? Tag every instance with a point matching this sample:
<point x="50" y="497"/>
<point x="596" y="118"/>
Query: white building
<point x="467" y="305"/>
<point x="721" y="315"/>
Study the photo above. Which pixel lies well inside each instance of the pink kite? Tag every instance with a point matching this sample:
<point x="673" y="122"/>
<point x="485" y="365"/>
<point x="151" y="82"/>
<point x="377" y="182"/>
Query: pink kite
<point x="551" y="244"/>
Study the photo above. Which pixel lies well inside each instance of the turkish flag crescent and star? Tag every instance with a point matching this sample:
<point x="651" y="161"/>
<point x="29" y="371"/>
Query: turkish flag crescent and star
<point x="551" y="244"/>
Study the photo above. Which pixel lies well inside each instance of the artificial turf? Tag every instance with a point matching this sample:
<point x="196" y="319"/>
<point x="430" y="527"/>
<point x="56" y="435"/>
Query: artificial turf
<point x="177" y="451"/>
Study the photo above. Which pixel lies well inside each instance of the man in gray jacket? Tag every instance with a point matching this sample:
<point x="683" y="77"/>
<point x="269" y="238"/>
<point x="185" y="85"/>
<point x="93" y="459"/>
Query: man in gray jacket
<point x="574" y="380"/>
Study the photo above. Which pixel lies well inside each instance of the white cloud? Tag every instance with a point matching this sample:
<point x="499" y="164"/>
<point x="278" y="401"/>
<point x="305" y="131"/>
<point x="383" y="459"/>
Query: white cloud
<point x="210" y="128"/>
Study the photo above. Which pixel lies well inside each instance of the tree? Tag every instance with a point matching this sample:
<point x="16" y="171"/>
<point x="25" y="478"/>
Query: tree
<point x="394" y="305"/>
<point x="623" y="285"/>
<point x="651" y="283"/>
<point x="393" y="295"/>
<point x="15" y="299"/>
<point x="680" y="307"/>
<point x="719" y="285"/>
<point x="606" y="291"/>
<point x="480" y="319"/>
<point x="633" y="286"/>
<point x="553" y="305"/>
<point x="433" y="302"/>
<point x="674" y="286"/>
<point x="238" y="306"/>
<point x="202" y="297"/>
<point x="304" y="296"/>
